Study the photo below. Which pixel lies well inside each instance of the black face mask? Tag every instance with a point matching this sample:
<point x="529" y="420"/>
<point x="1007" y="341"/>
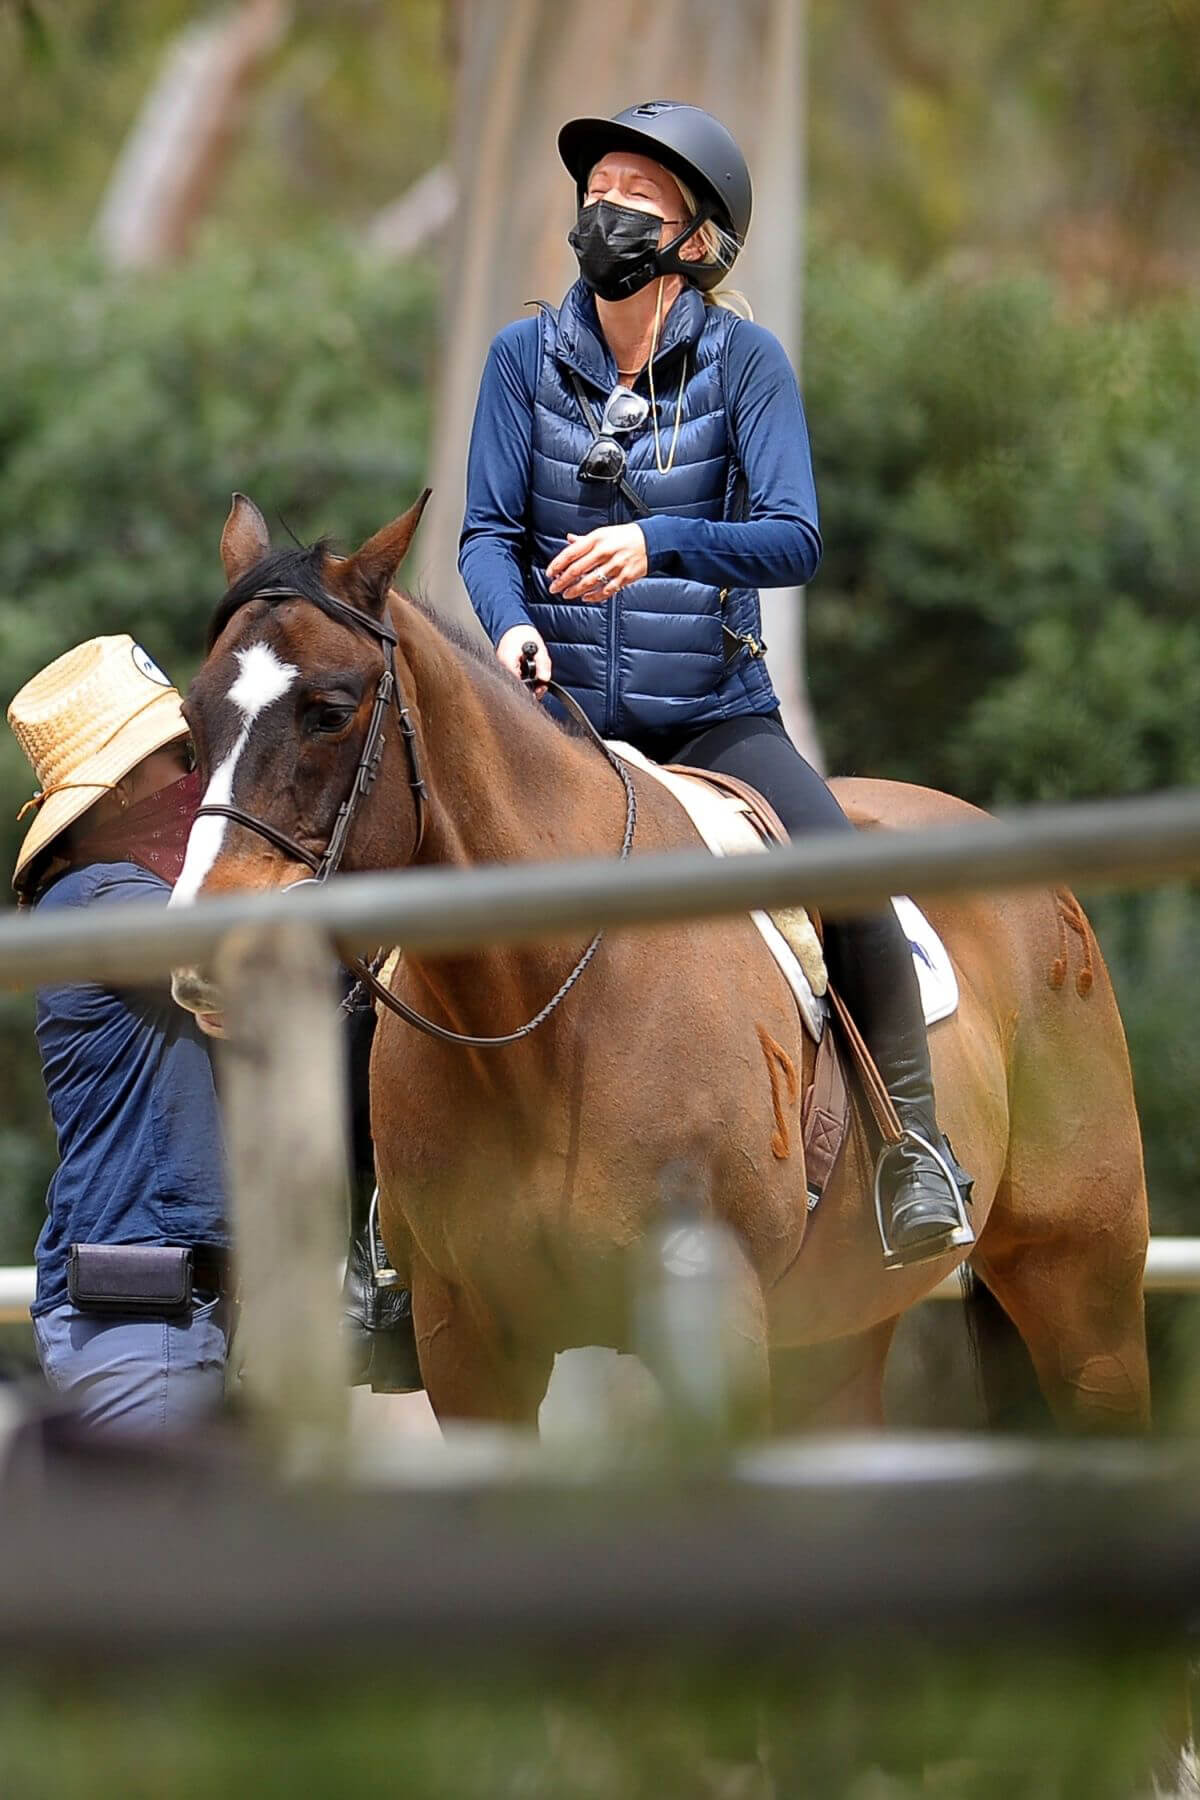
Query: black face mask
<point x="617" y="248"/>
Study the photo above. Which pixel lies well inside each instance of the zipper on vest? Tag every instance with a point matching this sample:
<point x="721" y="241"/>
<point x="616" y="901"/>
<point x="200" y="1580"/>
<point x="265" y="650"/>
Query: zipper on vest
<point x="614" y="663"/>
<point x="737" y="641"/>
<point x="613" y="658"/>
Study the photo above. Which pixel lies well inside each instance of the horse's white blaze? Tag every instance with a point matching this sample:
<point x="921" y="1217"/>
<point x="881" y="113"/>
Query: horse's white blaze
<point x="207" y="835"/>
<point x="262" y="678"/>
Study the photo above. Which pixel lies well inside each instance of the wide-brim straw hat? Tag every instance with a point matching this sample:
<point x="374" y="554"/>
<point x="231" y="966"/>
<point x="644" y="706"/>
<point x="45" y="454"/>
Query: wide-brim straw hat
<point x="84" y="722"/>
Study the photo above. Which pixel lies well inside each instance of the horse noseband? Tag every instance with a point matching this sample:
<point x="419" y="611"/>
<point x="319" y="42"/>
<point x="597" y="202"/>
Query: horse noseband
<point x="386" y="695"/>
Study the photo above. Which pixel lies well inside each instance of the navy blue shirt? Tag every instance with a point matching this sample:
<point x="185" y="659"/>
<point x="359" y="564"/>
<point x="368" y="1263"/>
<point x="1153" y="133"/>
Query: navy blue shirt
<point x="131" y="1093"/>
<point x="778" y="545"/>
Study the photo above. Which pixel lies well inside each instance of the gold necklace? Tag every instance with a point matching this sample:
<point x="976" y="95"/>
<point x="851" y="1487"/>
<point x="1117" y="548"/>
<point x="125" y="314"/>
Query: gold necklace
<point x="663" y="468"/>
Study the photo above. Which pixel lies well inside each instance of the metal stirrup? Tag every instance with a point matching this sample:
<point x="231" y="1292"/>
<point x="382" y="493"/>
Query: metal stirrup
<point x="382" y="1272"/>
<point x="962" y="1236"/>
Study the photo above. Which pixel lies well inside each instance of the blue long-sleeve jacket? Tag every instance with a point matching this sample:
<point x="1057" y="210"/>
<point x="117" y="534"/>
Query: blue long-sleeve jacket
<point x="737" y="510"/>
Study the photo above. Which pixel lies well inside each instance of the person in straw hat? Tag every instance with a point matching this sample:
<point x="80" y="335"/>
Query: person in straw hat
<point x="131" y="1316"/>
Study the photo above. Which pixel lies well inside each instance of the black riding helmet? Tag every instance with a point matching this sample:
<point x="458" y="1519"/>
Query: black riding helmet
<point x="684" y="139"/>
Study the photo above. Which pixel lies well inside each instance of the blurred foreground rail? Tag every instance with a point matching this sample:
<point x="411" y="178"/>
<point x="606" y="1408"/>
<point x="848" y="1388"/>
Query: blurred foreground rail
<point x="1103" y="843"/>
<point x="494" y="1550"/>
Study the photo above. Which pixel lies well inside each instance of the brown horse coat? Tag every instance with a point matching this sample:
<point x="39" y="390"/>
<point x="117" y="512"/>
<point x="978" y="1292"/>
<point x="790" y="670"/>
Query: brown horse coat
<point x="514" y="1181"/>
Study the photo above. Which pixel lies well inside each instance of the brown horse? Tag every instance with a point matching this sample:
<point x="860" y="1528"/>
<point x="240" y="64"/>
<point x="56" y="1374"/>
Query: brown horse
<point x="514" y="1180"/>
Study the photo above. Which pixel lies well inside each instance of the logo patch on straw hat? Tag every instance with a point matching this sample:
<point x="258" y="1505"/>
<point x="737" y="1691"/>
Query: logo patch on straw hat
<point x="146" y="665"/>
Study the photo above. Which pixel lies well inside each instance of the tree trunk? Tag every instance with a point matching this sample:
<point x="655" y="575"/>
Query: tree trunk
<point x="176" y="152"/>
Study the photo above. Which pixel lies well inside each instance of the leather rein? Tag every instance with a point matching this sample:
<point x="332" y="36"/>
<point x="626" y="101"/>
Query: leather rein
<point x="327" y="863"/>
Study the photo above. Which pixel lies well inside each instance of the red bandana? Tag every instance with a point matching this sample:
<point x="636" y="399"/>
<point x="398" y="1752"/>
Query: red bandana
<point x="153" y="833"/>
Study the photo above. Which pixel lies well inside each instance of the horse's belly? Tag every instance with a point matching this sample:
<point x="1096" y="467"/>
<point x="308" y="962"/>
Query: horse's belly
<point x="549" y="1244"/>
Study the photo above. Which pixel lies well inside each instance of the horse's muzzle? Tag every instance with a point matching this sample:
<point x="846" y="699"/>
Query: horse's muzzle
<point x="190" y="990"/>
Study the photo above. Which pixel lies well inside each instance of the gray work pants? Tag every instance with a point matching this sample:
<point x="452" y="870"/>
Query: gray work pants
<point x="137" y="1375"/>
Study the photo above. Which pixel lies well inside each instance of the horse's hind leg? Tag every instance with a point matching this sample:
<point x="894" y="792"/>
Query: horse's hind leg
<point x="1081" y="1316"/>
<point x="1064" y="1251"/>
<point x="1064" y="1246"/>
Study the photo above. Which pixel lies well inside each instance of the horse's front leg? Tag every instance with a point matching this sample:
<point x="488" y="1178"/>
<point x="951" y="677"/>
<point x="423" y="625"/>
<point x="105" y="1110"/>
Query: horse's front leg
<point x="471" y="1368"/>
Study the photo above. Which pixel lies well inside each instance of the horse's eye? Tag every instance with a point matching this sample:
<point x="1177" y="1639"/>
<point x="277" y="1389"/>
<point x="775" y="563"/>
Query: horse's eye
<point x="325" y="718"/>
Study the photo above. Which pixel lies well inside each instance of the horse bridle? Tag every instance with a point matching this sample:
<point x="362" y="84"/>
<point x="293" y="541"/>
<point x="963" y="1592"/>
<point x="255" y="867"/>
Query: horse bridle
<point x="387" y="695"/>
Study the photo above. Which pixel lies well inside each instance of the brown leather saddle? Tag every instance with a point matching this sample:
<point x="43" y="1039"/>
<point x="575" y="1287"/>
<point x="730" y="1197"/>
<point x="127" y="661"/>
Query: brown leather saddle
<point x="825" y="1105"/>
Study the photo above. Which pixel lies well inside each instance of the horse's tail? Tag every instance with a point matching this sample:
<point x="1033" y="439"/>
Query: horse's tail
<point x="1008" y="1386"/>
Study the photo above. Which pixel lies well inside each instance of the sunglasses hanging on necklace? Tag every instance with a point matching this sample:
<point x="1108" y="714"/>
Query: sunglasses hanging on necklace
<point x="605" y="459"/>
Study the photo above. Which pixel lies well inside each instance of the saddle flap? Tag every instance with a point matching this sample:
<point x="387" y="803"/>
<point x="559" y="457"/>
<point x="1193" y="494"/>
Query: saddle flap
<point x="732" y="819"/>
<point x="760" y="812"/>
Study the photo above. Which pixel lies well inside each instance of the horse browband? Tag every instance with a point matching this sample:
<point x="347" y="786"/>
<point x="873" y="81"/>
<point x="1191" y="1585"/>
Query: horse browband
<point x="327" y="864"/>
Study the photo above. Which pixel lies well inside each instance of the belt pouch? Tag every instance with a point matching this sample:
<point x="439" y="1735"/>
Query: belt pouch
<point x="154" y="1279"/>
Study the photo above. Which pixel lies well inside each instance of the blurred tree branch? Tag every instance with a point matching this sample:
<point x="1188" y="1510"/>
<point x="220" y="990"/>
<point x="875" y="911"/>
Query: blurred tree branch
<point x="173" y="158"/>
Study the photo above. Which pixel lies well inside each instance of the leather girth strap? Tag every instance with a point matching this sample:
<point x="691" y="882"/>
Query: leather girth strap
<point x="825" y="1113"/>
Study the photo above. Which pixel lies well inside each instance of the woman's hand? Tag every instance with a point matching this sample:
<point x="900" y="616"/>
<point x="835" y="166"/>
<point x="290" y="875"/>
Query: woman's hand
<point x="599" y="564"/>
<point x="509" y="652"/>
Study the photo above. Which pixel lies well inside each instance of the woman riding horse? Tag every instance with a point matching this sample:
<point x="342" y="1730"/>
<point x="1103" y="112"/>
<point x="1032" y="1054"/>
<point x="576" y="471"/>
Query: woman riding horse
<point x="639" y="465"/>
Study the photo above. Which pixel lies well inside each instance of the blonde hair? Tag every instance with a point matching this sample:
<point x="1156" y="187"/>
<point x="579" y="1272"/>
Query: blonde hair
<point x="719" y="246"/>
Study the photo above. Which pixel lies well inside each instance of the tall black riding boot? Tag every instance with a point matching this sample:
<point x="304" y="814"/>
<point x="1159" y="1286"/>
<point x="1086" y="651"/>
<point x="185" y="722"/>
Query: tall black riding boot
<point x="377" y="1321"/>
<point x="870" y="962"/>
<point x="376" y="1311"/>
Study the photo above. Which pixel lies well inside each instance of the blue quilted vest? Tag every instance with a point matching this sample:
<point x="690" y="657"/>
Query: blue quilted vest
<point x="653" y="657"/>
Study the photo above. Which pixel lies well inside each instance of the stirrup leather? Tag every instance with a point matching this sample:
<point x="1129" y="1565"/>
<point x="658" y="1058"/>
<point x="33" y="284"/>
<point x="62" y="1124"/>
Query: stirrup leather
<point x="961" y="1238"/>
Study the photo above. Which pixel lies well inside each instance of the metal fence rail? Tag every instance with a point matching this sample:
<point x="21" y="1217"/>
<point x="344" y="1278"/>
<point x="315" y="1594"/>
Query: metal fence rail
<point x="1103" y="843"/>
<point x="1172" y="1267"/>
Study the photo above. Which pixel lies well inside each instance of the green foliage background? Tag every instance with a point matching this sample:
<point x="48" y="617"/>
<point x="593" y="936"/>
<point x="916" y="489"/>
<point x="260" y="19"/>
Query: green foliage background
<point x="128" y="412"/>
<point x="1007" y="606"/>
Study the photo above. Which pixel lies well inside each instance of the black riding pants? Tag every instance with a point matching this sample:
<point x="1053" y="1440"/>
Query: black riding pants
<point x="870" y="961"/>
<point x="756" y="748"/>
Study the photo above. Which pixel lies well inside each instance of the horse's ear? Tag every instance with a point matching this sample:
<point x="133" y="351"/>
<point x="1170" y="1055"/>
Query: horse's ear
<point x="245" y="539"/>
<point x="374" y="563"/>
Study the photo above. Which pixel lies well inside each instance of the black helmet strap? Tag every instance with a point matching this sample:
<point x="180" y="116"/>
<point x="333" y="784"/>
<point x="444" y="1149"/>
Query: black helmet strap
<point x="669" y="261"/>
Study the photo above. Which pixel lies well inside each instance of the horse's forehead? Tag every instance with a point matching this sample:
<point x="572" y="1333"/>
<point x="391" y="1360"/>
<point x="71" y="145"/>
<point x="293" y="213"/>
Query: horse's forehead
<point x="252" y="665"/>
<point x="261" y="675"/>
<point x="261" y="655"/>
<point x="238" y="685"/>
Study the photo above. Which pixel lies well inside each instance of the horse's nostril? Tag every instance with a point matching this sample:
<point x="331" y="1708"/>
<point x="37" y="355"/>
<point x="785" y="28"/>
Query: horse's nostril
<point x="190" y="990"/>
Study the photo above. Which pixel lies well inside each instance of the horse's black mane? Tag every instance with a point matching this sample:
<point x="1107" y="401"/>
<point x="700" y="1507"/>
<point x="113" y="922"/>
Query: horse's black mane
<point x="300" y="569"/>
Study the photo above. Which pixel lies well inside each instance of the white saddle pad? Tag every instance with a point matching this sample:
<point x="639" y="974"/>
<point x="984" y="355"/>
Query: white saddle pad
<point x="935" y="971"/>
<point x="725" y="826"/>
